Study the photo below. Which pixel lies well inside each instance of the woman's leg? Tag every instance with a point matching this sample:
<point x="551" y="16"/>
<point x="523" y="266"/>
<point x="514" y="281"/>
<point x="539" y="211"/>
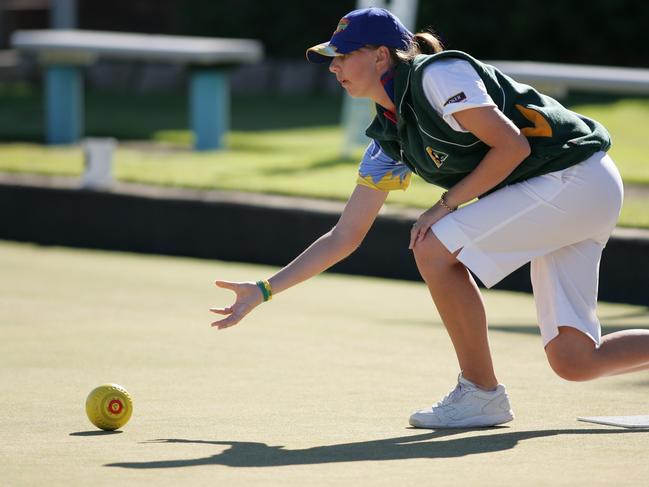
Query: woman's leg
<point x="461" y="308"/>
<point x="565" y="292"/>
<point x="574" y="356"/>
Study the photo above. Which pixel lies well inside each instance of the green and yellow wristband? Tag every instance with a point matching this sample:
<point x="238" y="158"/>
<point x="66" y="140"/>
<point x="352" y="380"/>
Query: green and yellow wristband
<point x="266" y="290"/>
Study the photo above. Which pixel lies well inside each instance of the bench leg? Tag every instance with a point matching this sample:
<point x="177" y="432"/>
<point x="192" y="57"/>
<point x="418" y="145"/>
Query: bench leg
<point x="63" y="104"/>
<point x="209" y="108"/>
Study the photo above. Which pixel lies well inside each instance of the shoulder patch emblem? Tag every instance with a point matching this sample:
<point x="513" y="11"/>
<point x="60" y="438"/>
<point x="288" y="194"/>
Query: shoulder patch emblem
<point x="456" y="98"/>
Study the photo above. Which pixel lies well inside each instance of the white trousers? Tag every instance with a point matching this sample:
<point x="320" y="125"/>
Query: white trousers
<point x="560" y="222"/>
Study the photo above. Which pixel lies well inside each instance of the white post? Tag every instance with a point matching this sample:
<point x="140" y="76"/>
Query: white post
<point x="98" y="159"/>
<point x="358" y="112"/>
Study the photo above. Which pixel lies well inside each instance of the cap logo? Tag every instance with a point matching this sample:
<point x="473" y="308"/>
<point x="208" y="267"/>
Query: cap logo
<point x="342" y="25"/>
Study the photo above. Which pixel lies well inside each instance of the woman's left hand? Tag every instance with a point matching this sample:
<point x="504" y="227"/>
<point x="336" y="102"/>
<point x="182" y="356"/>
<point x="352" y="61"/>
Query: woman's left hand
<point x="421" y="227"/>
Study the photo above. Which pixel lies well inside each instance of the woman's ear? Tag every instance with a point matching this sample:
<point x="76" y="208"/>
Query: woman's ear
<point x="383" y="59"/>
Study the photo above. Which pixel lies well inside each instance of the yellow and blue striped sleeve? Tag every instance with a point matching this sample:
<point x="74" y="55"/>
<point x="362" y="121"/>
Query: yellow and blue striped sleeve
<point x="379" y="171"/>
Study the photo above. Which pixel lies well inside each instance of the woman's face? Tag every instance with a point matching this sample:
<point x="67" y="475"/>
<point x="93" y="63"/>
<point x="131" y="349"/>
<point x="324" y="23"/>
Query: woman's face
<point x="358" y="72"/>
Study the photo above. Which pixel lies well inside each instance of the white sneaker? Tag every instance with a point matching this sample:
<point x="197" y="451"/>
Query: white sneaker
<point x="466" y="406"/>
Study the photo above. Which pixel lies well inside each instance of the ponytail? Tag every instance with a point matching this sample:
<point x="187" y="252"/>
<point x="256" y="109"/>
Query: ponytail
<point x="428" y="43"/>
<point x="425" y="42"/>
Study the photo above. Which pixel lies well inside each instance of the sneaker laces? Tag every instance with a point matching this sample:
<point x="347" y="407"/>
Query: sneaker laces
<point x="452" y="396"/>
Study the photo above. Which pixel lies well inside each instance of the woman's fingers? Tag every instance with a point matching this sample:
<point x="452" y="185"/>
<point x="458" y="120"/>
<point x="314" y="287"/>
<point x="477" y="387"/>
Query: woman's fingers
<point x="417" y="234"/>
<point x="231" y="320"/>
<point x="421" y="236"/>
<point x="222" y="311"/>
<point x="234" y="314"/>
<point x="248" y="296"/>
<point x="413" y="236"/>
<point x="227" y="285"/>
<point x="222" y="323"/>
<point x="424" y="224"/>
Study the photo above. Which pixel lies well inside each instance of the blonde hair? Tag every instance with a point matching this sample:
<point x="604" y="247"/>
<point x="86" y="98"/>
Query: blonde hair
<point x="425" y="42"/>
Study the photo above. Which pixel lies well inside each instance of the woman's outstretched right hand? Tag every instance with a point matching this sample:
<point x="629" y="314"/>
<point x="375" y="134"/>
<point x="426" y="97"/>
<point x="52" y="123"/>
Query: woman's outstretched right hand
<point x="248" y="297"/>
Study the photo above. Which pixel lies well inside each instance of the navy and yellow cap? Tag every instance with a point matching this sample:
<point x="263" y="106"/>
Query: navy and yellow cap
<point x="359" y="28"/>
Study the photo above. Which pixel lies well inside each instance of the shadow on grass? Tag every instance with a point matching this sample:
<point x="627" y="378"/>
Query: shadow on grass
<point x="95" y="433"/>
<point x="629" y="314"/>
<point x="435" y="444"/>
<point x="533" y="329"/>
<point x="606" y="328"/>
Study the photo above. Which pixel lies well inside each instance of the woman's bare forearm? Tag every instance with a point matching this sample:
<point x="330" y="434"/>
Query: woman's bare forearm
<point x="357" y="218"/>
<point x="318" y="257"/>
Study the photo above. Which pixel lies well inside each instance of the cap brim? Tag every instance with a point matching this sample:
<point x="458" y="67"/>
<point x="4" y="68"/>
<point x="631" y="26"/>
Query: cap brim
<point x="322" y="53"/>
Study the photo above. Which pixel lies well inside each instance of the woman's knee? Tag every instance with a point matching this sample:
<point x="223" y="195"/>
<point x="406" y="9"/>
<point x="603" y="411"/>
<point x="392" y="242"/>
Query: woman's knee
<point x="431" y="253"/>
<point x="572" y="355"/>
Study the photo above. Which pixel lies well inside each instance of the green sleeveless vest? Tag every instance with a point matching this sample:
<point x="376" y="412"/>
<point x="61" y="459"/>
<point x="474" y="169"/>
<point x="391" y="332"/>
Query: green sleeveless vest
<point x="421" y="139"/>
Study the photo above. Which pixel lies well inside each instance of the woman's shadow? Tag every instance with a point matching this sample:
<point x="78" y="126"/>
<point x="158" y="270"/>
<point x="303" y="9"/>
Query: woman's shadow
<point x="435" y="444"/>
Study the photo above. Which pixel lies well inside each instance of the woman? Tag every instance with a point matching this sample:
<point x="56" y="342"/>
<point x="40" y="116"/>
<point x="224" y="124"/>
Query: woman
<point x="547" y="193"/>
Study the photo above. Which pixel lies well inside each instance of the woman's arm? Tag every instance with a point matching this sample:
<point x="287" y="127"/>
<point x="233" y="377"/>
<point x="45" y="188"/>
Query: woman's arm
<point x="357" y="218"/>
<point x="354" y="223"/>
<point x="508" y="148"/>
